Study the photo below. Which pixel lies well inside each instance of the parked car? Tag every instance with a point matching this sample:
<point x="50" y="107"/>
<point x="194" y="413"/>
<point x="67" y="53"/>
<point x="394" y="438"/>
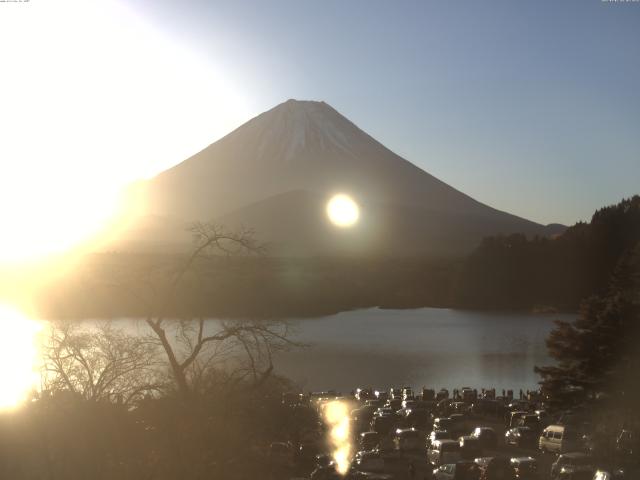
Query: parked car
<point x="408" y="404"/>
<point x="462" y="470"/>
<point x="442" y="394"/>
<point x="580" y="472"/>
<point x="444" y="451"/>
<point x="395" y="393"/>
<point x="363" y="394"/>
<point x="513" y="417"/>
<point x="382" y="395"/>
<point x="442" y="423"/>
<point x="361" y="417"/>
<point x="394" y="404"/>
<point x="487" y="436"/>
<point x="522" y="437"/>
<point x="460" y="407"/>
<point x="323" y="460"/>
<point x="470" y="447"/>
<point x="308" y="452"/>
<point x="438" y="435"/>
<point x="369" y="440"/>
<point x="419" y="419"/>
<point x="486" y="406"/>
<point x="525" y="468"/>
<point x="558" y="439"/>
<point x="468" y="395"/>
<point x="445" y="472"/>
<point x="543" y="417"/>
<point x="573" y="459"/>
<point x="381" y="411"/>
<point x="606" y="475"/>
<point x="428" y="394"/>
<point x="383" y="424"/>
<point x="387" y="445"/>
<point x="375" y="402"/>
<point x="530" y="420"/>
<point x="458" y="423"/>
<point x="369" y="461"/>
<point x="408" y="439"/>
<point x="495" y="468"/>
<point x="407" y="393"/>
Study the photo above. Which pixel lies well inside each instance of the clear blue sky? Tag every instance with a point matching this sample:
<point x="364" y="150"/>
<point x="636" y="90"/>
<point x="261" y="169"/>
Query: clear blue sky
<point x="529" y="106"/>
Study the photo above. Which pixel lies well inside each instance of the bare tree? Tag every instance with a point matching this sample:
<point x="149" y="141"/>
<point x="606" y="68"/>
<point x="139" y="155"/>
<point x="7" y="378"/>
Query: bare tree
<point x="99" y="363"/>
<point x="191" y="348"/>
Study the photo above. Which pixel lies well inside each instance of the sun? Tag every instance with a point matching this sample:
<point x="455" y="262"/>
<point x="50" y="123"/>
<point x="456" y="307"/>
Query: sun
<point x="343" y="211"/>
<point x="83" y="116"/>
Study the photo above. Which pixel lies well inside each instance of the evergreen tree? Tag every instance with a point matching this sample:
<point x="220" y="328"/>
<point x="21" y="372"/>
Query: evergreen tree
<point x="598" y="354"/>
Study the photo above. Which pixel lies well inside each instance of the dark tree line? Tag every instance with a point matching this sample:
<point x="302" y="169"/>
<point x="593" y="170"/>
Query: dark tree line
<point x="516" y="272"/>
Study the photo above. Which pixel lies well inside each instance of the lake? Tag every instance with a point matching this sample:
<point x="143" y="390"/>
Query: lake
<point x="382" y="348"/>
<point x="419" y="347"/>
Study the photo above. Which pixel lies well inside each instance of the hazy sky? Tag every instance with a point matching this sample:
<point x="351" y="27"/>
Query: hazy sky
<point x="529" y="106"/>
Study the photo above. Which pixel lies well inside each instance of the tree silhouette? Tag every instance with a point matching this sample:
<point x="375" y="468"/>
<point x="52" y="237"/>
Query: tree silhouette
<point x="189" y="346"/>
<point x="597" y="354"/>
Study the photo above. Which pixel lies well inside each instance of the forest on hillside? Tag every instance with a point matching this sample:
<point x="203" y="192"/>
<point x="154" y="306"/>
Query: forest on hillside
<point x="513" y="272"/>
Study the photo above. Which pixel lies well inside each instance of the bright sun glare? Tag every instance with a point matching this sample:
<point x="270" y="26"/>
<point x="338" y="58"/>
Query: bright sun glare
<point x="18" y="357"/>
<point x="343" y="211"/>
<point x="93" y="98"/>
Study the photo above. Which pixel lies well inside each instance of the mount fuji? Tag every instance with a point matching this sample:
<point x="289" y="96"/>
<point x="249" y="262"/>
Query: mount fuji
<point x="276" y="172"/>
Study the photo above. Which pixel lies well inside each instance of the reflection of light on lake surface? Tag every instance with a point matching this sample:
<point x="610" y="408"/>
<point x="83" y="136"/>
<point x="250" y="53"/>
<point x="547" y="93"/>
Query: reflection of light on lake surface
<point x="18" y="357"/>
<point x="336" y="416"/>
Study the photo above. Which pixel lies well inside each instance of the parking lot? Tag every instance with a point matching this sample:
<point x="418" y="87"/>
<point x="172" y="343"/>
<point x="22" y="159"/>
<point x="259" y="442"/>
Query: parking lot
<point x="396" y="434"/>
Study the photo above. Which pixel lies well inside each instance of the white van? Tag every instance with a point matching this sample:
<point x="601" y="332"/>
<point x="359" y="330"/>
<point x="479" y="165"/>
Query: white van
<point x="557" y="439"/>
<point x="444" y="451"/>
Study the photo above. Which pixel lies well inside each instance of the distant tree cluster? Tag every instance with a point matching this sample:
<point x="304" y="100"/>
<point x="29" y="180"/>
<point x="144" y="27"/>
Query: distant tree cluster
<point x="515" y="272"/>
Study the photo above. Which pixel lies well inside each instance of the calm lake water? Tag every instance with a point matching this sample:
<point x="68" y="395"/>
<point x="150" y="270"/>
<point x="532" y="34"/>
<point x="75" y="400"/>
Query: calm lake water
<point x="421" y="347"/>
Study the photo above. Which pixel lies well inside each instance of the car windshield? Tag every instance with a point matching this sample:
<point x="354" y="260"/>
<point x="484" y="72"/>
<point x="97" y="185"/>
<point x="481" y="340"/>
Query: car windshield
<point x="450" y="447"/>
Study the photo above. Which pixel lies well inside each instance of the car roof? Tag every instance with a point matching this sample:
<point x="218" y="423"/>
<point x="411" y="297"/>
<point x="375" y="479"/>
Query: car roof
<point x="577" y="468"/>
<point x="523" y="460"/>
<point x="445" y="441"/>
<point x="574" y="455"/>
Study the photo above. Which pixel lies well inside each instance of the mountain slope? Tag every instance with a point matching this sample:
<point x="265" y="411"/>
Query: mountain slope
<point x="294" y="224"/>
<point x="309" y="149"/>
